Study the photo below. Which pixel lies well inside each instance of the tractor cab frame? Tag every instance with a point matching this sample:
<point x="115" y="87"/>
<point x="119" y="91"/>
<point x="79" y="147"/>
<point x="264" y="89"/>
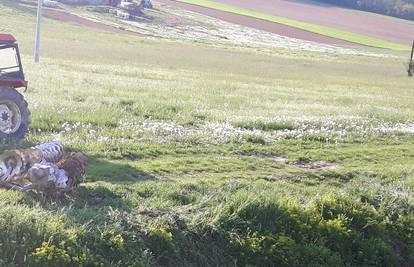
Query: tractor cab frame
<point x="11" y="69"/>
<point x="14" y="113"/>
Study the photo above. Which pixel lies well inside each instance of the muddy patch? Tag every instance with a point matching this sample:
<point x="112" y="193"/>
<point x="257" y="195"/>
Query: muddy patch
<point x="303" y="164"/>
<point x="316" y="165"/>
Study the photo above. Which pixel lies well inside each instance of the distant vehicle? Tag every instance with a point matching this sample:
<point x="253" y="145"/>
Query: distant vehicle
<point x="146" y="4"/>
<point x="14" y="112"/>
<point x="129" y="9"/>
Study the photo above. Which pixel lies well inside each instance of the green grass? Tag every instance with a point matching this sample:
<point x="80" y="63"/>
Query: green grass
<point x="327" y="31"/>
<point x="189" y="164"/>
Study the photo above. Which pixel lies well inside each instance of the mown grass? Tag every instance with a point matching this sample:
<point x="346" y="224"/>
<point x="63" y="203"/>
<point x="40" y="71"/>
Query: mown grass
<point x="185" y="167"/>
<point x="324" y="30"/>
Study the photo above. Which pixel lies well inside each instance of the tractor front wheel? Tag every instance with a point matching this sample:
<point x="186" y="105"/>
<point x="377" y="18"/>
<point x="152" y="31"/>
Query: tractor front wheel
<point x="14" y="114"/>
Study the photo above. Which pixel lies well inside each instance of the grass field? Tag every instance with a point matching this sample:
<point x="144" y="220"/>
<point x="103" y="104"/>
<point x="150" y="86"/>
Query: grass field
<point x="324" y="30"/>
<point x="214" y="156"/>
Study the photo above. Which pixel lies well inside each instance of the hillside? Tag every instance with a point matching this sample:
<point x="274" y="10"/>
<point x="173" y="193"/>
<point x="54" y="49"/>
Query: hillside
<point x="206" y="154"/>
<point x="397" y="8"/>
<point x="331" y="21"/>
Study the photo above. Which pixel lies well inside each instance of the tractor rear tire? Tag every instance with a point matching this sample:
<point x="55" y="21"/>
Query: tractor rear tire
<point x="14" y="114"/>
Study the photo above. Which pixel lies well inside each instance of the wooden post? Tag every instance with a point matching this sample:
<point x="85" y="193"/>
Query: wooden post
<point x="410" y="64"/>
<point x="38" y="21"/>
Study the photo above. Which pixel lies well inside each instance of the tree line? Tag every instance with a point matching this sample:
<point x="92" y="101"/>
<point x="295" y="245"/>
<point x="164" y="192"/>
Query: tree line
<point x="397" y="8"/>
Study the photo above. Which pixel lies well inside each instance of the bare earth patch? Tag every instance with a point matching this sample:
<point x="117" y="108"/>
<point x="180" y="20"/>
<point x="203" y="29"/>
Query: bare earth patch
<point x="317" y="165"/>
<point x="310" y="165"/>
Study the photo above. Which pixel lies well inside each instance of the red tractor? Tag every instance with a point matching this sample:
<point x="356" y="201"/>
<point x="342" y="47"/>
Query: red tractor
<point x="14" y="114"/>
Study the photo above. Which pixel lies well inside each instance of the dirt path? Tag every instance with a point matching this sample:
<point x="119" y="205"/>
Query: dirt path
<point x="73" y="19"/>
<point x="387" y="28"/>
<point x="261" y="24"/>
